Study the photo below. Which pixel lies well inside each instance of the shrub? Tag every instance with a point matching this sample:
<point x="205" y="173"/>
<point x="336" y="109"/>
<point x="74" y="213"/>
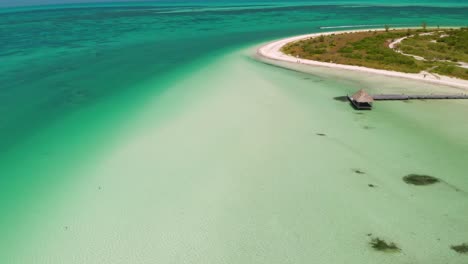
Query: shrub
<point x="346" y="49"/>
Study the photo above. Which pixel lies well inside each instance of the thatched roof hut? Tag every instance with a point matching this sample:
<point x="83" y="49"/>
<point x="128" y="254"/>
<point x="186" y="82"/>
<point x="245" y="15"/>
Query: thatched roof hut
<point x="361" y="100"/>
<point x="362" y="97"/>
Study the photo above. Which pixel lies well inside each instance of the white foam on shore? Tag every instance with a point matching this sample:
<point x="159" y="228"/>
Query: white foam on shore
<point x="350" y="26"/>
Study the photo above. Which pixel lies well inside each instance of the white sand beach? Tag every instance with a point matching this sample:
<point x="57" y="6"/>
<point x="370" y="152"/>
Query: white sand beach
<point x="272" y="51"/>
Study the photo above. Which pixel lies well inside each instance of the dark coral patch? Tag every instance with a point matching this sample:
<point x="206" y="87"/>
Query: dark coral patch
<point x="462" y="249"/>
<point x="382" y="245"/>
<point x="358" y="171"/>
<point x="420" y="180"/>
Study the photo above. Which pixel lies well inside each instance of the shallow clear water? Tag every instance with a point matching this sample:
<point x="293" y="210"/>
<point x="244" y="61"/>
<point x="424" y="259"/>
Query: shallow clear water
<point x="135" y="134"/>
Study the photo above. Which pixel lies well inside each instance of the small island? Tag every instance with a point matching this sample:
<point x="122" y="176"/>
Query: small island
<point x="431" y="52"/>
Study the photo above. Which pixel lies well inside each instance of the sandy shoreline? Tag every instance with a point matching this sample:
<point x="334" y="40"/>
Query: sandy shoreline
<point x="272" y="51"/>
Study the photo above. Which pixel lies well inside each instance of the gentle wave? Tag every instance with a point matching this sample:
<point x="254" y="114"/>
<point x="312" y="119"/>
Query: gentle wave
<point x="357" y="26"/>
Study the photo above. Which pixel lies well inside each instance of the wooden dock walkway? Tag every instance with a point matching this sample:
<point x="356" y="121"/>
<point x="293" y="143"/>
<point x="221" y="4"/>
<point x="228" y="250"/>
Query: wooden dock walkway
<point x="388" y="97"/>
<point x="364" y="101"/>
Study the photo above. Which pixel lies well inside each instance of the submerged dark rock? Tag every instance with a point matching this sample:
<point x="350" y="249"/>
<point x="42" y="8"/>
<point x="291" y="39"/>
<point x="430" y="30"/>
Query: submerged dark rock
<point x="381" y="245"/>
<point x="358" y="171"/>
<point x="462" y="249"/>
<point x="420" y="180"/>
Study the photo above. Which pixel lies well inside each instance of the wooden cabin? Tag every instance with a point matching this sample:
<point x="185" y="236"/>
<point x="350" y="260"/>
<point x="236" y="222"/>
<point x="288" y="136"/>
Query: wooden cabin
<point x="361" y="100"/>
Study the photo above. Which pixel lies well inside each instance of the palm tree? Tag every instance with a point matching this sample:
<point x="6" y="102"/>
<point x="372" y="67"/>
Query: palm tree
<point x="387" y="27"/>
<point x="424" y="26"/>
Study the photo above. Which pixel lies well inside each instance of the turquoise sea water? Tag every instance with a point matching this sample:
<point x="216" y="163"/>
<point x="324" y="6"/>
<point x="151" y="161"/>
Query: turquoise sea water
<point x="142" y="133"/>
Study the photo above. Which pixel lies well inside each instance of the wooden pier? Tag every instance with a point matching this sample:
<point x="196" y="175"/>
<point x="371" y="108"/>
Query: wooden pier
<point x="363" y="101"/>
<point x="389" y="97"/>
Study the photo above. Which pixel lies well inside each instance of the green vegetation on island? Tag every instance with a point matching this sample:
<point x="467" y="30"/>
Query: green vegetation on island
<point x="435" y="51"/>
